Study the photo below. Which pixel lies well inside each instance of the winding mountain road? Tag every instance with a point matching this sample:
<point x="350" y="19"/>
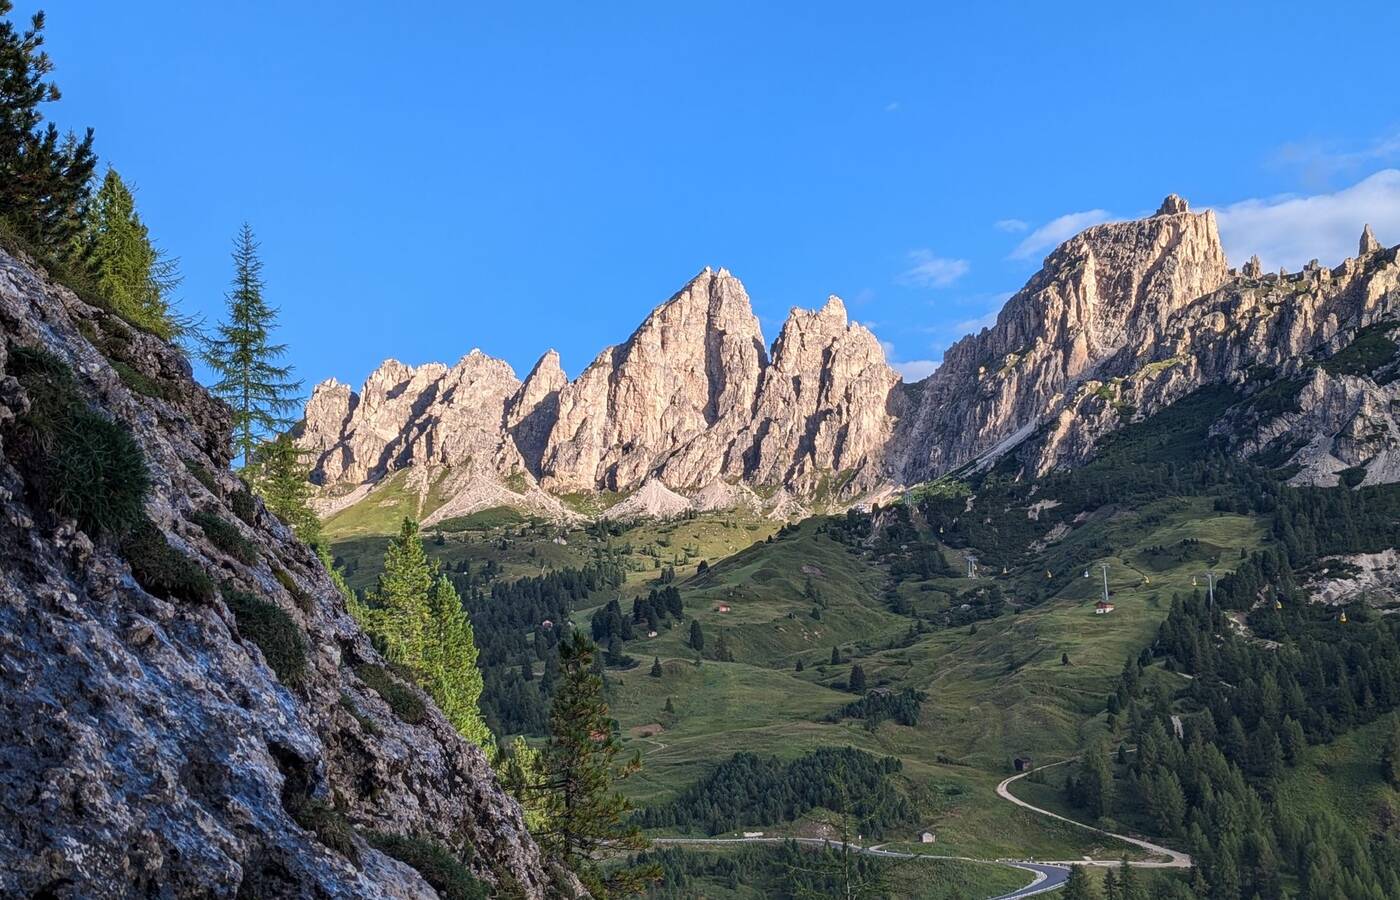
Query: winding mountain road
<point x="1046" y="875"/>
<point x="1175" y="859"/>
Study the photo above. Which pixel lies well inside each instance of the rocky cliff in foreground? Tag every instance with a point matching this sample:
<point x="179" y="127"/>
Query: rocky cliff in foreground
<point x="160" y="733"/>
<point x="695" y="411"/>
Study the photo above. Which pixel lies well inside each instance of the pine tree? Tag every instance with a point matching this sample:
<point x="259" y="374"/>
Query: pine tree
<point x="836" y="656"/>
<point x="1078" y="886"/>
<point x="44" y="178"/>
<point x="522" y="776"/>
<point x="280" y="477"/>
<point x="1095" y="781"/>
<point x="582" y="815"/>
<point x="697" y="636"/>
<point x="799" y="666"/>
<point x="401" y="597"/>
<point x="260" y="392"/>
<point x="656" y="667"/>
<point x="856" y="683"/>
<point x="1128" y="886"/>
<point x="450" y="664"/>
<point x="417" y="620"/>
<point x="130" y="273"/>
<point x="670" y="707"/>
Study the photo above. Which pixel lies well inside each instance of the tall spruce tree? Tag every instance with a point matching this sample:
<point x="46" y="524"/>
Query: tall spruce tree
<point x="280" y="476"/>
<point x="583" y="818"/>
<point x="417" y="620"/>
<point x="128" y="271"/>
<point x="400" y="599"/>
<point x="450" y="664"/>
<point x="1078" y="886"/>
<point x="44" y="177"/>
<point x="260" y="391"/>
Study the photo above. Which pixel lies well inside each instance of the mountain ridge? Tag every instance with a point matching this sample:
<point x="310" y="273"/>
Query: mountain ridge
<point x="697" y="400"/>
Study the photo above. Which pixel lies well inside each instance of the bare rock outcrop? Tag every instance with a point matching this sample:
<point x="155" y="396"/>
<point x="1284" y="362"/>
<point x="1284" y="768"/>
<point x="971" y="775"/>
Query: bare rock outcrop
<point x="824" y="408"/>
<point x="147" y="747"/>
<point x="688" y="399"/>
<point x="680" y="387"/>
<point x="1109" y="290"/>
<point x="1121" y="320"/>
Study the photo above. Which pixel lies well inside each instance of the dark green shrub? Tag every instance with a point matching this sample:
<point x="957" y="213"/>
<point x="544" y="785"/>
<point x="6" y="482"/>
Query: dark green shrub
<point x="300" y="597"/>
<point x="226" y="536"/>
<point x="139" y="381"/>
<point x="402" y="699"/>
<point x="161" y="569"/>
<point x="275" y="633"/>
<point x="243" y="505"/>
<point x="77" y="462"/>
<point x="328" y="824"/>
<point x="448" y="875"/>
<point x="202" y="475"/>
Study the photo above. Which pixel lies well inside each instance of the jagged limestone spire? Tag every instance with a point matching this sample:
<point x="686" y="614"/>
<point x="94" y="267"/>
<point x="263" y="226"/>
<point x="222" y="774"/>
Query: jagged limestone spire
<point x="1369" y="244"/>
<point x="1173" y="204"/>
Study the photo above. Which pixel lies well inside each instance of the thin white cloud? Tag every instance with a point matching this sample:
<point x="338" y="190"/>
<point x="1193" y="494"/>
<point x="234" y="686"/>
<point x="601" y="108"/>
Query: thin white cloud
<point x="933" y="271"/>
<point x="1011" y="226"/>
<point x="1319" y="161"/>
<point x="1289" y="231"/>
<point x="892" y="106"/>
<point x="915" y="369"/>
<point x="972" y="326"/>
<point x="1057" y="231"/>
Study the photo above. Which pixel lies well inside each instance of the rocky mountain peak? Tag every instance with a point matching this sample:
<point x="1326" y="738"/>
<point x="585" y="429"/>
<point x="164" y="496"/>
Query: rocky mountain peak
<point x="1173" y="205"/>
<point x="1107" y="291"/>
<point x="1369" y="244"/>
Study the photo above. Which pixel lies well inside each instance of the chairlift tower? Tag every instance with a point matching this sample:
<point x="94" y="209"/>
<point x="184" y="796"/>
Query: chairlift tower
<point x="1104" y="568"/>
<point x="971" y="565"/>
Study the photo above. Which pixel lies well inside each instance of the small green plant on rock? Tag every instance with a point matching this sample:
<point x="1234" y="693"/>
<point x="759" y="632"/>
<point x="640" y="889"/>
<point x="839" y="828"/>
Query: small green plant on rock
<point x="274" y="632"/>
<point x="78" y="463"/>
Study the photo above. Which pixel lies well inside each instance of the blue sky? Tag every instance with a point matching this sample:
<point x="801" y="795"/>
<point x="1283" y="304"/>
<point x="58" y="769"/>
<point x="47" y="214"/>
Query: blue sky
<point x="426" y="178"/>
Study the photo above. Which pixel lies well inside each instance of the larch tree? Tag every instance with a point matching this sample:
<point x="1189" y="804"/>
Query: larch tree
<point x="260" y="391"/>
<point x="582" y="816"/>
<point x="130" y="273"/>
<point x="280" y="476"/>
<point x="44" y="177"/>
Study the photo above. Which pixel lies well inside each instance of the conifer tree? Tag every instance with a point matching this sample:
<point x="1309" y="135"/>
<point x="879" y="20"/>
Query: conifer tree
<point x="401" y="597"/>
<point x="697" y="636"/>
<point x="1078" y="886"/>
<point x="583" y="817"/>
<point x="259" y="390"/>
<point x="856" y="682"/>
<point x="656" y="667"/>
<point x="129" y="272"/>
<point x="450" y="664"/>
<point x="44" y="178"/>
<point x="280" y="477"/>
<point x="522" y="777"/>
<point x="417" y="619"/>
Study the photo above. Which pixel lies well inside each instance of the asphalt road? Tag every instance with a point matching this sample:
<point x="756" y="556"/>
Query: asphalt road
<point x="1046" y="876"/>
